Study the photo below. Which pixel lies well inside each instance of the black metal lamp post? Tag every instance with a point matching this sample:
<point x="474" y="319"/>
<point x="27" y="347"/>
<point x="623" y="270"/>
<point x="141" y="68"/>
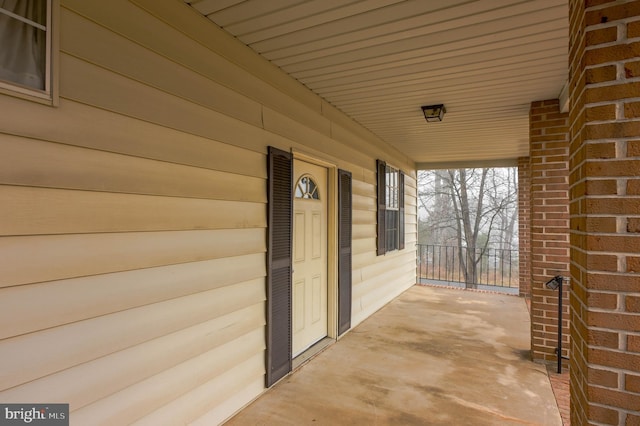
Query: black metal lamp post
<point x="555" y="283"/>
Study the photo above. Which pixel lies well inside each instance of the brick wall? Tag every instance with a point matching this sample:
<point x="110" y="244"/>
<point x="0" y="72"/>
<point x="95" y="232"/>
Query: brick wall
<point x="549" y="154"/>
<point x="605" y="211"/>
<point x="524" y="226"/>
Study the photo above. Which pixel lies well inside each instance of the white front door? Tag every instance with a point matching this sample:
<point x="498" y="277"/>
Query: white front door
<point x="309" y="311"/>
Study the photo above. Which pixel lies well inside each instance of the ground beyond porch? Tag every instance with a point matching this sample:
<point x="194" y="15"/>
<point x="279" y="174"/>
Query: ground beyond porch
<point x="432" y="356"/>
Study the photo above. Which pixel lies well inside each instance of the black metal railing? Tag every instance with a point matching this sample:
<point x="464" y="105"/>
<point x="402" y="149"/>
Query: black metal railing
<point x="474" y="267"/>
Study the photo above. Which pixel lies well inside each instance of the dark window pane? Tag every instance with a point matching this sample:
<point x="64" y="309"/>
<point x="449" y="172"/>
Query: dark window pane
<point x="307" y="188"/>
<point x="33" y="10"/>
<point x="391" y="222"/>
<point x="23" y="46"/>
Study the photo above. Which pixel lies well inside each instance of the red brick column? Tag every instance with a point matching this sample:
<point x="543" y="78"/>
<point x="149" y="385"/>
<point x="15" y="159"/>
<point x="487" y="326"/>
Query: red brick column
<point x="549" y="153"/>
<point x="524" y="226"/>
<point x="605" y="211"/>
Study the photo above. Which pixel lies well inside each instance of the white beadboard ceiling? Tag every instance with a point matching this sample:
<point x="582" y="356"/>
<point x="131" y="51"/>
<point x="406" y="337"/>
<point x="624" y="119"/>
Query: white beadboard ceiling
<point x="379" y="60"/>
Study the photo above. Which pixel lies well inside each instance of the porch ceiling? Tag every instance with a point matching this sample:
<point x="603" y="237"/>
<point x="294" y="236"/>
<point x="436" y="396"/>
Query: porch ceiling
<point x="379" y="60"/>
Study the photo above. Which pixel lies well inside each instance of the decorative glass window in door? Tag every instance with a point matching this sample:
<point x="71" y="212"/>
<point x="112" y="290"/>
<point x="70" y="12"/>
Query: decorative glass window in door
<point x="307" y="188"/>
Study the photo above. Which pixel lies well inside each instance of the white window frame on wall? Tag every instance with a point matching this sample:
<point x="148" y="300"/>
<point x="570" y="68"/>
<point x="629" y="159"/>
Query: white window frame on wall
<point x="48" y="94"/>
<point x="392" y="181"/>
<point x="390" y="200"/>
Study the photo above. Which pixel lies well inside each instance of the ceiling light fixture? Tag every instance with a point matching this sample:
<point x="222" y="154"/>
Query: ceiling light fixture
<point x="433" y="113"/>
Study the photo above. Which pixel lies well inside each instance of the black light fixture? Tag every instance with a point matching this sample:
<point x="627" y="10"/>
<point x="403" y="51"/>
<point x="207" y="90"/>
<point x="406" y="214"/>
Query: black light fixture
<point x="433" y="113"/>
<point x="555" y="283"/>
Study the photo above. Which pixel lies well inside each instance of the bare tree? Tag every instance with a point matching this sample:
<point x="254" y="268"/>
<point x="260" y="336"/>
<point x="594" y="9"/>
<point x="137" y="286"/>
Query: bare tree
<point x="503" y="196"/>
<point x="477" y="206"/>
<point x="435" y="205"/>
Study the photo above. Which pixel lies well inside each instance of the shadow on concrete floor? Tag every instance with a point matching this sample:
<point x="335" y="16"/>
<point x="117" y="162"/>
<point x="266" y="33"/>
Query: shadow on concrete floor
<point x="433" y="356"/>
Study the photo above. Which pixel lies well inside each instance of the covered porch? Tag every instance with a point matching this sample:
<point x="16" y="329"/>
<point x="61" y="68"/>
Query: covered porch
<point x="431" y="356"/>
<point x="137" y="231"/>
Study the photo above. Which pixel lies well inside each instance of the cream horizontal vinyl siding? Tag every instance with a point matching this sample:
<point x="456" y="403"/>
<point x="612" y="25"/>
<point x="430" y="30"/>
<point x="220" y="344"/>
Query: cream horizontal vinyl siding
<point x="133" y="231"/>
<point x="378" y="279"/>
<point x="106" y="374"/>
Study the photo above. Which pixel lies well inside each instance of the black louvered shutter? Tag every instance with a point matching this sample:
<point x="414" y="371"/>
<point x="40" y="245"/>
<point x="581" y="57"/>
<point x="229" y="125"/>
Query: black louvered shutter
<point x="344" y="251"/>
<point x="279" y="247"/>
<point x="401" y="210"/>
<point x="382" y="206"/>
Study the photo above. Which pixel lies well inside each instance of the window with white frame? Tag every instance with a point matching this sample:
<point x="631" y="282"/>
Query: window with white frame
<point x="392" y="212"/>
<point x="25" y="46"/>
<point x="390" y="208"/>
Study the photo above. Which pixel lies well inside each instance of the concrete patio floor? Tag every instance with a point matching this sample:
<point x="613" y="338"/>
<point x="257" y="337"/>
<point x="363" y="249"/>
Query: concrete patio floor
<point x="433" y="356"/>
